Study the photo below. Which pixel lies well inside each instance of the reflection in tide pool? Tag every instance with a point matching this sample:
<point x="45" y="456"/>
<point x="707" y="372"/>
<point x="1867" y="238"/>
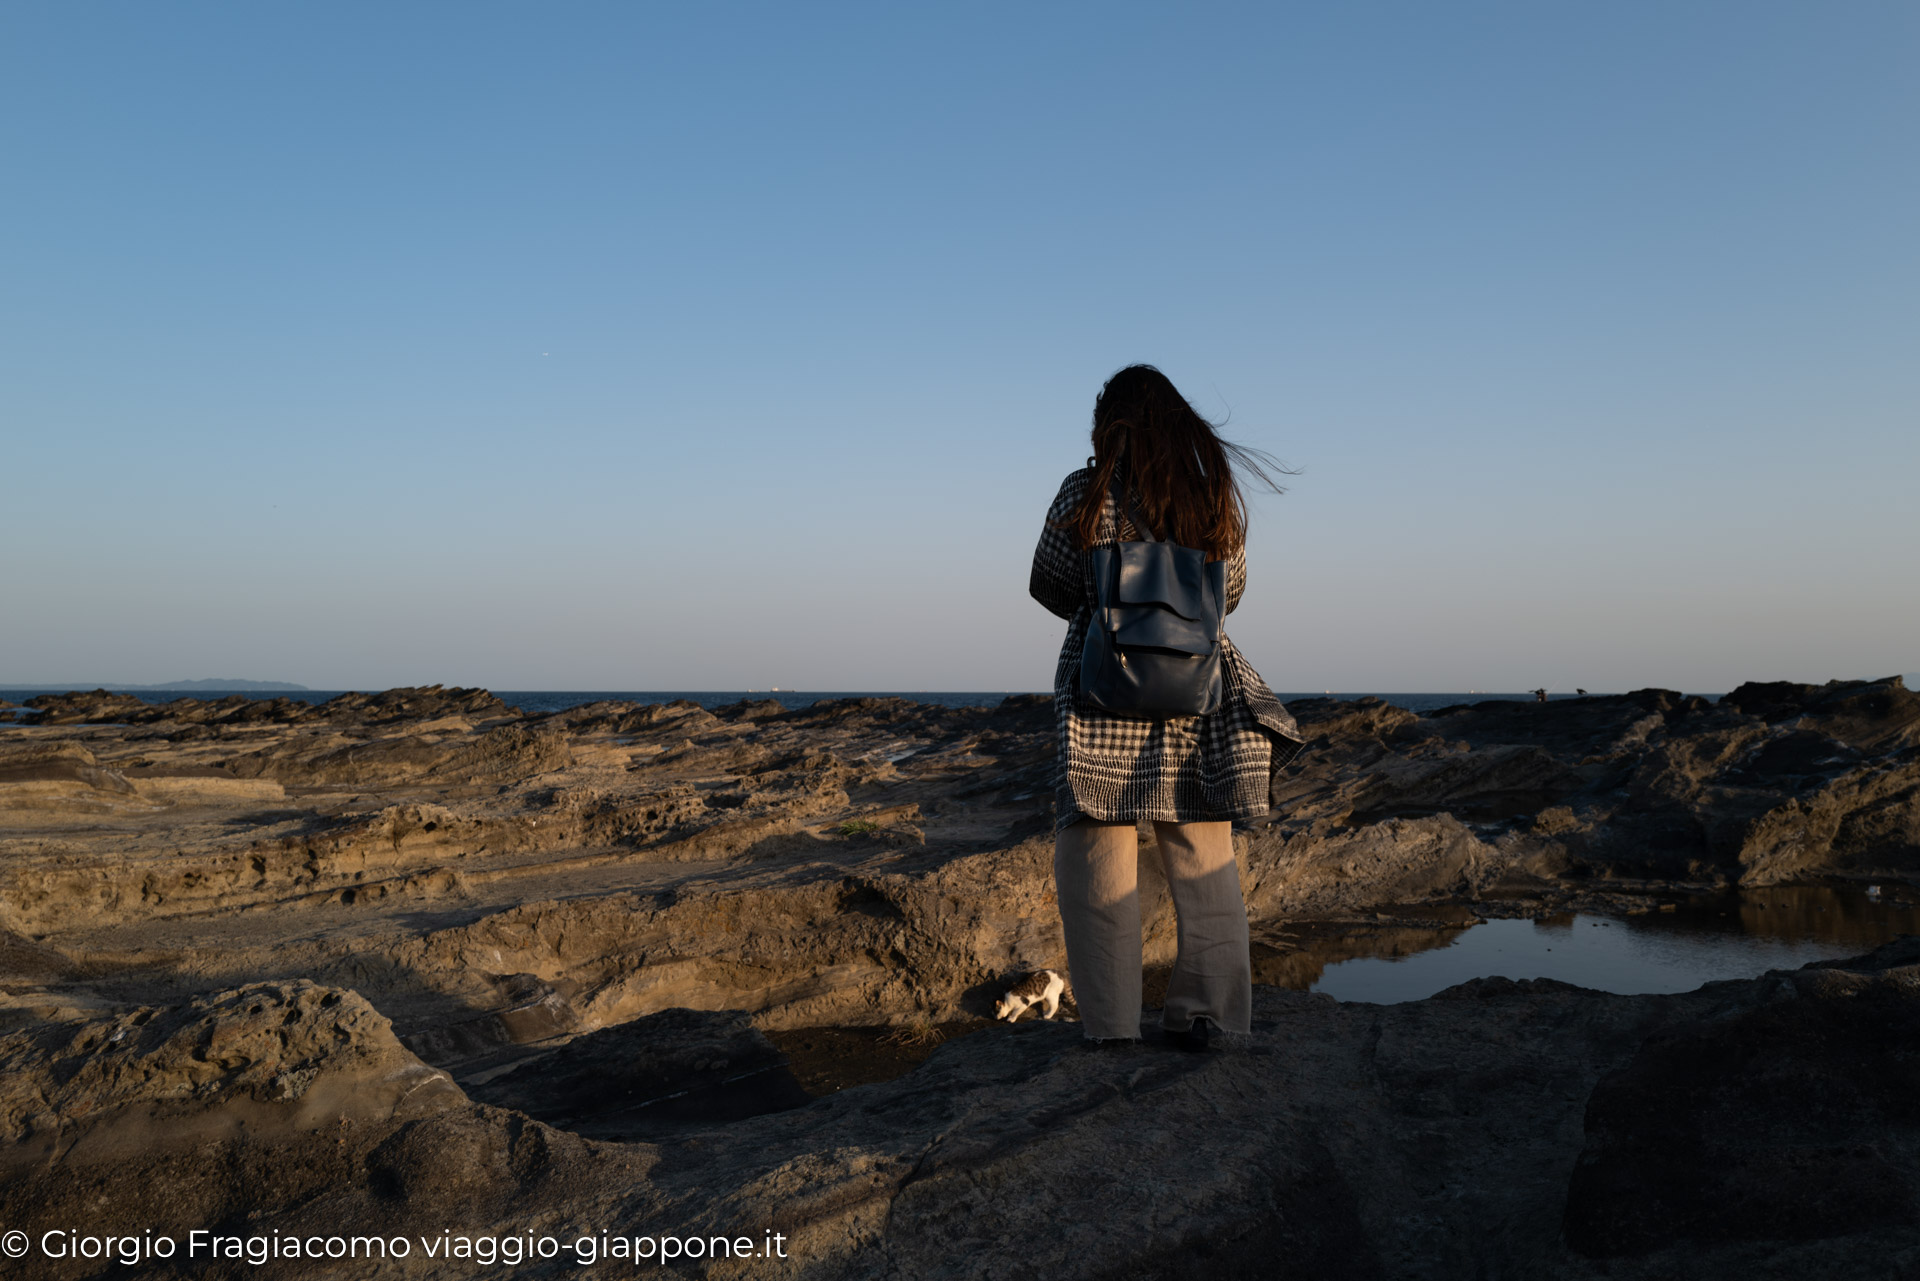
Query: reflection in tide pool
<point x="1723" y="937"/>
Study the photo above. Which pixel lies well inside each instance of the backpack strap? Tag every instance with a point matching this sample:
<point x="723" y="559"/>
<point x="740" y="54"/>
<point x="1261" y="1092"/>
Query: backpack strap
<point x="1120" y="505"/>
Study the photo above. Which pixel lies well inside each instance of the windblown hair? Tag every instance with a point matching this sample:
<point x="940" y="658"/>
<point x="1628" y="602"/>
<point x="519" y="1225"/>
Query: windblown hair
<point x="1180" y="473"/>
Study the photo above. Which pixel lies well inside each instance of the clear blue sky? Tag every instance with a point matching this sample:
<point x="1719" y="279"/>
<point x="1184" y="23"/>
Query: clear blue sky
<point x="714" y="346"/>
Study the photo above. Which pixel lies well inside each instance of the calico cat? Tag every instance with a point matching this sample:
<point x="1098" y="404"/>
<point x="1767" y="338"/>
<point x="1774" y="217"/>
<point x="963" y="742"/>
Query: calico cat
<point x="1043" y="987"/>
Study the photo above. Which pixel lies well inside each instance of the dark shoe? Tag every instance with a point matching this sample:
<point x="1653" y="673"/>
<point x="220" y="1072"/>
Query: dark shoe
<point x="1192" y="1039"/>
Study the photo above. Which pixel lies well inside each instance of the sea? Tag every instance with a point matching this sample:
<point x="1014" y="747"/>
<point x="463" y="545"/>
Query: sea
<point x="542" y="701"/>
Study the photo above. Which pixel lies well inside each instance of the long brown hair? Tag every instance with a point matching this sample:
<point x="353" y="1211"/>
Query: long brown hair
<point x="1179" y="470"/>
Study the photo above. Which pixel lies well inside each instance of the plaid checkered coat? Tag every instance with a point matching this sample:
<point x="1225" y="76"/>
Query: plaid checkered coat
<point x="1184" y="770"/>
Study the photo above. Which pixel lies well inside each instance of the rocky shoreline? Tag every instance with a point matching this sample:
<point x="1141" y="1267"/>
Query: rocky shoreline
<point x="413" y="955"/>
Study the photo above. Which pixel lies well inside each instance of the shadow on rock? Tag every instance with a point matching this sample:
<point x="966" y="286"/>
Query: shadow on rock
<point x="662" y="1075"/>
<point x="1794" y="1121"/>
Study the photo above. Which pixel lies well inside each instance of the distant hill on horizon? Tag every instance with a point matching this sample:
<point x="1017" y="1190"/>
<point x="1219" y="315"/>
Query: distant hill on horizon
<point x="214" y="683"/>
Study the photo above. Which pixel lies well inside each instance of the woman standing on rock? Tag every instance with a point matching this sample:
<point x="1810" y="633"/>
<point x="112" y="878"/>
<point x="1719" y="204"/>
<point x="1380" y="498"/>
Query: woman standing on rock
<point x="1158" y="470"/>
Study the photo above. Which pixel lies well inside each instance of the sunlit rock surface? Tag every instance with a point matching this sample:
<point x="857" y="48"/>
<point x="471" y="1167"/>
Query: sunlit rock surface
<point x="416" y="954"/>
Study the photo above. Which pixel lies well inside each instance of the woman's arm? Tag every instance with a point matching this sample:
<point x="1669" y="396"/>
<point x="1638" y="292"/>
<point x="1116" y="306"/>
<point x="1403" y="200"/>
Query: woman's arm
<point x="1056" y="581"/>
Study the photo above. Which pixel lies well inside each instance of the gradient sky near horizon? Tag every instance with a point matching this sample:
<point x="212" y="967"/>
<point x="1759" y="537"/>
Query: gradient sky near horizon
<point x="611" y="346"/>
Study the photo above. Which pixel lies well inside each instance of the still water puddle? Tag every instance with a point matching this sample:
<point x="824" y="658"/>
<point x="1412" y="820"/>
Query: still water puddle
<point x="1733" y="936"/>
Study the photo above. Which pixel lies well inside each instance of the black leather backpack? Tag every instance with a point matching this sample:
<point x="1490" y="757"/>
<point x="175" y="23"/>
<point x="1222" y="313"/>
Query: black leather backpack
<point x="1153" y="648"/>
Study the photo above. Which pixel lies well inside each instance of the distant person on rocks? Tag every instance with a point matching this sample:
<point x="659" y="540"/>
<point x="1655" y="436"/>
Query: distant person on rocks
<point x="1189" y="775"/>
<point x="1539" y="695"/>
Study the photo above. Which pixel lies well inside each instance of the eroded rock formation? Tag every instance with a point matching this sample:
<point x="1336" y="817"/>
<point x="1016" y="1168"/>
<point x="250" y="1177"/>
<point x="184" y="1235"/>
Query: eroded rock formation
<point x="1528" y="1129"/>
<point x="407" y="954"/>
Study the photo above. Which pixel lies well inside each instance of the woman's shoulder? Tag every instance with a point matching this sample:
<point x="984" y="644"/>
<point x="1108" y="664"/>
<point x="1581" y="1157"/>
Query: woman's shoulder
<point x="1076" y="481"/>
<point x="1072" y="491"/>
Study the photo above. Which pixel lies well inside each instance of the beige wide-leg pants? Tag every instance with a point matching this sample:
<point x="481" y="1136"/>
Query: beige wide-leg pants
<point x="1096" y="869"/>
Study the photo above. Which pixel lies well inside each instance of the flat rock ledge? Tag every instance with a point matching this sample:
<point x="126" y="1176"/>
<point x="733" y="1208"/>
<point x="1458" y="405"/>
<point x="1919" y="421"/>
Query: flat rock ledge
<point x="1753" y="1129"/>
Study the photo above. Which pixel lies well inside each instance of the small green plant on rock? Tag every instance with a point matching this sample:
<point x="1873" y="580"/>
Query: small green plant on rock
<point x="858" y="827"/>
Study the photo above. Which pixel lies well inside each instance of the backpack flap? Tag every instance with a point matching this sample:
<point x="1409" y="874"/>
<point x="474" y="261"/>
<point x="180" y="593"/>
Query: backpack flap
<point x="1148" y="682"/>
<point x="1168" y="575"/>
<point x="1154" y="627"/>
